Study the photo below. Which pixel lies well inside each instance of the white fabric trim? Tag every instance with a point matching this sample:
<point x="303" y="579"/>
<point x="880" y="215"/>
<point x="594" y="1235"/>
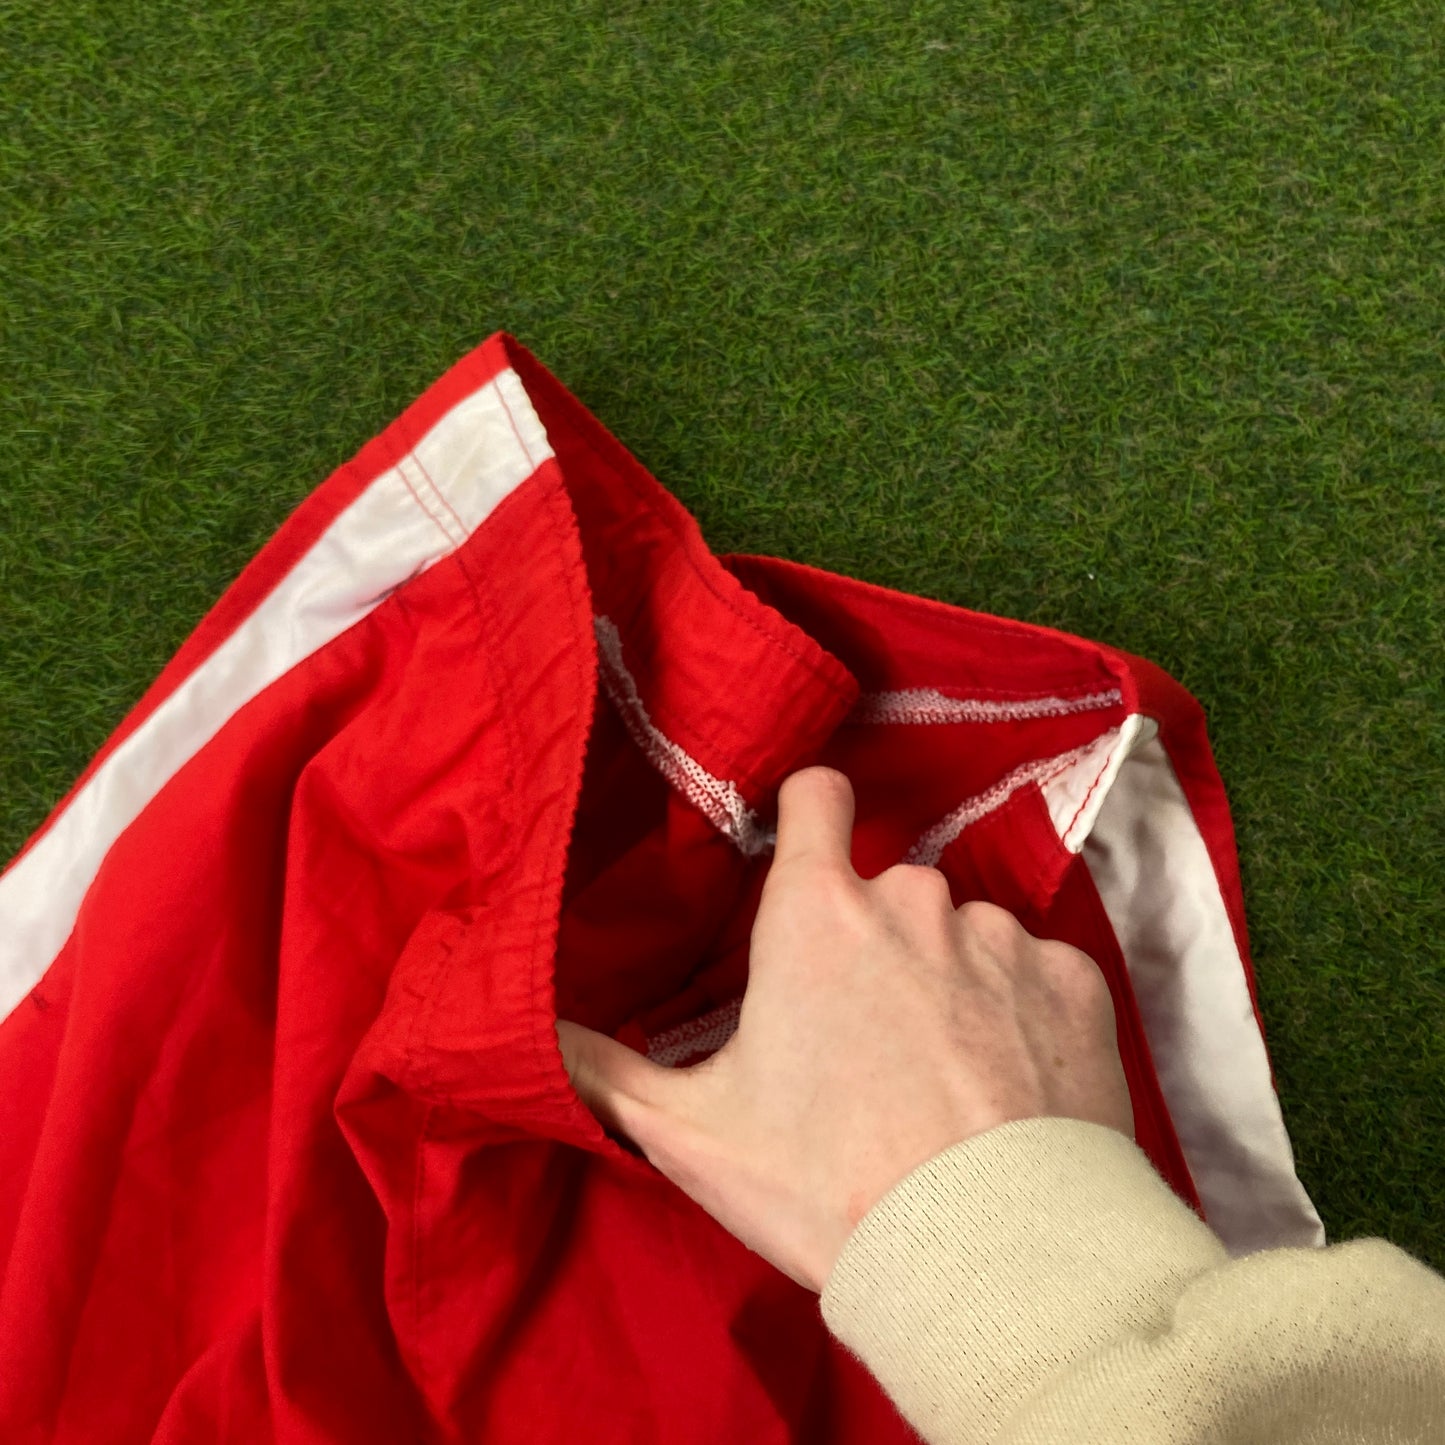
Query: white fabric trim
<point x="929" y="706"/>
<point x="405" y="521"/>
<point x="1075" y="796"/>
<point x="703" y="1035"/>
<point x="1153" y="872"/>
<point x="716" y="799"/>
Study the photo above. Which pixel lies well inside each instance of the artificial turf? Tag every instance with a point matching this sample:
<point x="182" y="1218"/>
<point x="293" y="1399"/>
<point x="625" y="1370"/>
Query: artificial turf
<point x="1119" y="317"/>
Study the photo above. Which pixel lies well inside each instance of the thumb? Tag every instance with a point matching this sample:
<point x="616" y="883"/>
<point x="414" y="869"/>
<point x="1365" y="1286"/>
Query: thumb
<point x="627" y="1092"/>
<point x="815" y="817"/>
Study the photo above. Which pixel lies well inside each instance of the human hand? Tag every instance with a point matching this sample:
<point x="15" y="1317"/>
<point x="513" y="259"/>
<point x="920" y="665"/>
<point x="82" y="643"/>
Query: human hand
<point x="880" y="1026"/>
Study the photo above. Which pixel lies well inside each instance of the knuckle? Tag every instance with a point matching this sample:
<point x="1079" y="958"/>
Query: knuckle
<point x="989" y="919"/>
<point x="1078" y="975"/>
<point x="917" y="884"/>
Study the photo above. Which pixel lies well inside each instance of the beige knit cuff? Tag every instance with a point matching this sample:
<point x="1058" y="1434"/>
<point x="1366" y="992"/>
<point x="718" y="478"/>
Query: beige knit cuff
<point x="1003" y="1259"/>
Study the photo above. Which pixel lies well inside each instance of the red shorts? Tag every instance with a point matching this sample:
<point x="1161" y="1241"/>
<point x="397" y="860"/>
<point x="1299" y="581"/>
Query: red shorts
<point x="485" y="735"/>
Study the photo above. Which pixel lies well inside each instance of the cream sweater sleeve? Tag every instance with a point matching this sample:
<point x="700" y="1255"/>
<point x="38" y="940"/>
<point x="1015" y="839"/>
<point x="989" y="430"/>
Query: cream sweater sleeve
<point x="1041" y="1283"/>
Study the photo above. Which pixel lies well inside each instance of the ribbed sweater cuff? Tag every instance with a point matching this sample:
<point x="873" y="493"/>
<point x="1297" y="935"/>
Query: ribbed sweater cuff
<point x="1002" y="1259"/>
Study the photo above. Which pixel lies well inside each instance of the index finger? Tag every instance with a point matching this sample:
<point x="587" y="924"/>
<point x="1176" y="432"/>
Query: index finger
<point x="815" y="817"/>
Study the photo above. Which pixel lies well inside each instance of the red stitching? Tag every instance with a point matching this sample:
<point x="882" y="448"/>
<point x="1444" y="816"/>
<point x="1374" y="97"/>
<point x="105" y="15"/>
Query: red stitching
<point x="421" y="1142"/>
<point x="516" y="430"/>
<point x="416" y="497"/>
<point x="1088" y="795"/>
<point x="584" y="444"/>
<point x="441" y="496"/>
<point x="550" y="1063"/>
<point x="554" y="499"/>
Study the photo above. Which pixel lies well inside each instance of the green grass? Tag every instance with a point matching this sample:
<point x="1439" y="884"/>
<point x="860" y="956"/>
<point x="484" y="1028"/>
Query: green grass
<point x="1119" y="317"/>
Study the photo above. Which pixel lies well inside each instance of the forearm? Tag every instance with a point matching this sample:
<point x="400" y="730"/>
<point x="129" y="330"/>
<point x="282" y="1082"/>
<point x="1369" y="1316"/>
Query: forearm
<point x="1041" y="1283"/>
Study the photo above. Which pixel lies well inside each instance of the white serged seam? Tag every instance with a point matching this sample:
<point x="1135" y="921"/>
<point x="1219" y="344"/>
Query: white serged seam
<point x="928" y="705"/>
<point x="716" y="799"/>
<point x="929" y="848"/>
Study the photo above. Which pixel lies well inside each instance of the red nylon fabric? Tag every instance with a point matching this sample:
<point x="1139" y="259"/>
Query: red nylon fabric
<point x="288" y="1152"/>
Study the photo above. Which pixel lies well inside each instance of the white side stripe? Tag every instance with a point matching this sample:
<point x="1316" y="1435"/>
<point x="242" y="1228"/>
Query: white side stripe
<point x="476" y="454"/>
<point x="716" y="799"/>
<point x="928" y="705"/>
<point x="1157" y="883"/>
